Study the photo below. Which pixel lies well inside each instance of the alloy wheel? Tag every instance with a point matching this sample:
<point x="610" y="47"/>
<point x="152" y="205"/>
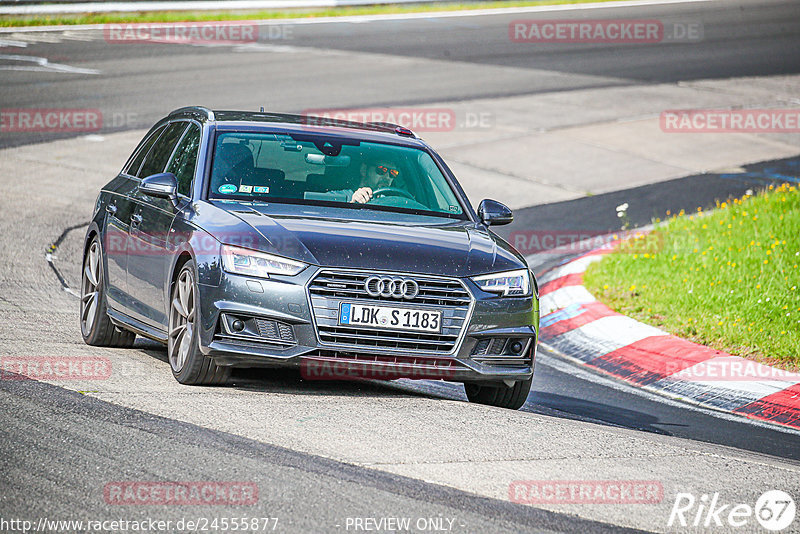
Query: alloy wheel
<point x="182" y="319"/>
<point x="90" y="288"/>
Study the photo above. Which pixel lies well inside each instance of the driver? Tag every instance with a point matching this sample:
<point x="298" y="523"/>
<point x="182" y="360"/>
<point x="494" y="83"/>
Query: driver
<point x="374" y="175"/>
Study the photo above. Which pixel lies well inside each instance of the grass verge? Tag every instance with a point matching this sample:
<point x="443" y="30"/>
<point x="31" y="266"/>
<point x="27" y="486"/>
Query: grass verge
<point x="727" y="279"/>
<point x="200" y="16"/>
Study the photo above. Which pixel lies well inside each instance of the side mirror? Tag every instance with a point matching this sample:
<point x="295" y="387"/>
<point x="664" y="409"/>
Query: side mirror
<point x="493" y="213"/>
<point x="161" y="185"/>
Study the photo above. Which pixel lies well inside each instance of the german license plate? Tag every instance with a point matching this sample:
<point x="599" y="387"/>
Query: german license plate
<point x="390" y="318"/>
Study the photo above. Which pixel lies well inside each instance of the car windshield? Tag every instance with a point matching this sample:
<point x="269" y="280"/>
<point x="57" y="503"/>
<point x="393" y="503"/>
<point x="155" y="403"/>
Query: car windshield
<point x="313" y="169"/>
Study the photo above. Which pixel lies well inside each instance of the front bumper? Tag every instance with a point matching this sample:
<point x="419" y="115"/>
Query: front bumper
<point x="497" y="340"/>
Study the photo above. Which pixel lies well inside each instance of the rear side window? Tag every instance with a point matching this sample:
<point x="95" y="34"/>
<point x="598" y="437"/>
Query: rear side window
<point x="133" y="168"/>
<point x="183" y="162"/>
<point x="156" y="160"/>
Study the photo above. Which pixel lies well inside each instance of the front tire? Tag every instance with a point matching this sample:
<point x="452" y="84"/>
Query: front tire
<point x="189" y="365"/>
<point x="96" y="327"/>
<point x="500" y="395"/>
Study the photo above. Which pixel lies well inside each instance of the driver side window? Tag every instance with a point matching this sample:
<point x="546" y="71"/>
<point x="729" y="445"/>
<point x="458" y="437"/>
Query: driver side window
<point x="156" y="160"/>
<point x="136" y="163"/>
<point x="184" y="160"/>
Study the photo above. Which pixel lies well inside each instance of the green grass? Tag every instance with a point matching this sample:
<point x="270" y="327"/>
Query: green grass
<point x="196" y="16"/>
<point x="728" y="279"/>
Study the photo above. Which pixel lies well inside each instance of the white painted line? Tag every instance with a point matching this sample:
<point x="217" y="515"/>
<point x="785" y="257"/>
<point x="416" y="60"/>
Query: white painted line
<point x="563" y="297"/>
<point x="42" y="64"/>
<point x="574" y="267"/>
<point x="610" y="333"/>
<point x="11" y="42"/>
<point x="580" y="265"/>
<point x="394" y="16"/>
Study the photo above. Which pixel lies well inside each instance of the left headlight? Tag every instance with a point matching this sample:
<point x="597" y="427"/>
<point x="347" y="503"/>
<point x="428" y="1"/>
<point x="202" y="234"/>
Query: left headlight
<point x="509" y="284"/>
<point x="238" y="260"/>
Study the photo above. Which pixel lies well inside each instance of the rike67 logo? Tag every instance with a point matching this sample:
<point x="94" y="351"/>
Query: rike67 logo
<point x="774" y="510"/>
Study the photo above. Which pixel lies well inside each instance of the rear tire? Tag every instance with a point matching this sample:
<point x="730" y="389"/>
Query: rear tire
<point x="189" y="365"/>
<point x="96" y="326"/>
<point x="500" y="395"/>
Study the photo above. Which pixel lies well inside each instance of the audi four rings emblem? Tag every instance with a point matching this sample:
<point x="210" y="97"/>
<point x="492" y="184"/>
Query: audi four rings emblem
<point x="384" y="286"/>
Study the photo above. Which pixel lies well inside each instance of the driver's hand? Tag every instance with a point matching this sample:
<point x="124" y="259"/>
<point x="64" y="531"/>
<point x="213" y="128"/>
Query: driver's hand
<point x="362" y="195"/>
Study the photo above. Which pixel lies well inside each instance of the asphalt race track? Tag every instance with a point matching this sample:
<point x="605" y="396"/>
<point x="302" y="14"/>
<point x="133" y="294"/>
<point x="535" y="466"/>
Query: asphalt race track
<point x="322" y="453"/>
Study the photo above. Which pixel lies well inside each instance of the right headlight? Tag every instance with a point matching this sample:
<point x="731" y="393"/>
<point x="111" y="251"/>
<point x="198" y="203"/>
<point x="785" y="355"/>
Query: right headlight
<point x="248" y="262"/>
<point x="509" y="284"/>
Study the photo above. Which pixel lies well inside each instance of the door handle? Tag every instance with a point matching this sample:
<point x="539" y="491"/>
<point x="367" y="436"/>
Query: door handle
<point x="112" y="209"/>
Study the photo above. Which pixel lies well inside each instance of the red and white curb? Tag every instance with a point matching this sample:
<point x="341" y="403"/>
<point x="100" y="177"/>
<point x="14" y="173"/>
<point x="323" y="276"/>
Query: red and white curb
<point x="575" y="324"/>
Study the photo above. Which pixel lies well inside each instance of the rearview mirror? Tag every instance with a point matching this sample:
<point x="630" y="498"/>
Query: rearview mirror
<point x="161" y="185"/>
<point x="329" y="161"/>
<point x="493" y="213"/>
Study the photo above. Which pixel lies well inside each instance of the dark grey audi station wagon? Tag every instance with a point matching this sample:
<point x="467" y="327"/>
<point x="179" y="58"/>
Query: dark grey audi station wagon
<point x="347" y="250"/>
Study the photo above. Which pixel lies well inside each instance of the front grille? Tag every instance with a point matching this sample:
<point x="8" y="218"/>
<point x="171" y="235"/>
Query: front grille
<point x="439" y="363"/>
<point x="493" y="351"/>
<point x="492" y="345"/>
<point x="330" y="288"/>
<point x="275" y="330"/>
<point x="256" y="330"/>
<point x="504" y="361"/>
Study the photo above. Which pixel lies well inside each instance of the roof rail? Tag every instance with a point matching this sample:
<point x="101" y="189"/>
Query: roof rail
<point x="194" y="110"/>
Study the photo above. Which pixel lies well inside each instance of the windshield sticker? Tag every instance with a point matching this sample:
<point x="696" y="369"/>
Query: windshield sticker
<point x="227" y="188"/>
<point x="455" y="209"/>
<point x="245" y="188"/>
<point x="261" y="189"/>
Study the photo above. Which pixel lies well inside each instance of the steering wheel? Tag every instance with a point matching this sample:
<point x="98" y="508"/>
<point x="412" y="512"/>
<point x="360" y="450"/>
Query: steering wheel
<point x="393" y="192"/>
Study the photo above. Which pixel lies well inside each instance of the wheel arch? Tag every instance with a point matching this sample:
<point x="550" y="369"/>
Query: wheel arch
<point x="183" y="258"/>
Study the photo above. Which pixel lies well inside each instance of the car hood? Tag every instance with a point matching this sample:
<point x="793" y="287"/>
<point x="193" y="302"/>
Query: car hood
<point x="380" y="241"/>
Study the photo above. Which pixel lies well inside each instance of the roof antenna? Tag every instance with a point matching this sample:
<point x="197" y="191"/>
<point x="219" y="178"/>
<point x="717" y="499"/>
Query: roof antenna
<point x="262" y="109"/>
